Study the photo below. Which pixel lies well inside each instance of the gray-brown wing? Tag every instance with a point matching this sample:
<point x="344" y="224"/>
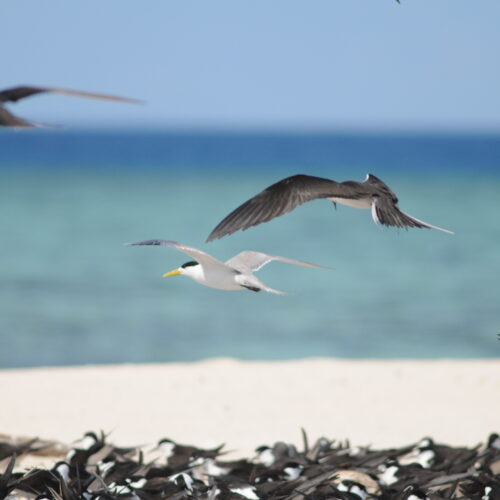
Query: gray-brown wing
<point x="15" y="93"/>
<point x="7" y="119"/>
<point x="387" y="213"/>
<point x="250" y="261"/>
<point x="203" y="258"/>
<point x="281" y="198"/>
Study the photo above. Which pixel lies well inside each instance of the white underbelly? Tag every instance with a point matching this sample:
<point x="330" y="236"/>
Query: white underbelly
<point x="361" y="203"/>
<point x="221" y="285"/>
<point x="221" y="281"/>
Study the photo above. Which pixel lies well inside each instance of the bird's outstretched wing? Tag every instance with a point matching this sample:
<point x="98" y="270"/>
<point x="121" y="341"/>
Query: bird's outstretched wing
<point x="201" y="257"/>
<point x="7" y="119"/>
<point x="387" y="213"/>
<point x="15" y="93"/>
<point x="249" y="261"/>
<point x="283" y="197"/>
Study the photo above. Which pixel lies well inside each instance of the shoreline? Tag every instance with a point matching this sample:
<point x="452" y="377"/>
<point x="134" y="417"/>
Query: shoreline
<point x="245" y="404"/>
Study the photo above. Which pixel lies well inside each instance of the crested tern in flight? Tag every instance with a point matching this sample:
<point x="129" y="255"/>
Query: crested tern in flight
<point x="7" y="119"/>
<point x="291" y="192"/>
<point x="234" y="274"/>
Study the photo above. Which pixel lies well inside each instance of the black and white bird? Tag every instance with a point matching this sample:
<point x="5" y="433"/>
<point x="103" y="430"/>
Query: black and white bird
<point x="14" y="94"/>
<point x="84" y="448"/>
<point x="234" y="274"/>
<point x="180" y="457"/>
<point x="294" y="191"/>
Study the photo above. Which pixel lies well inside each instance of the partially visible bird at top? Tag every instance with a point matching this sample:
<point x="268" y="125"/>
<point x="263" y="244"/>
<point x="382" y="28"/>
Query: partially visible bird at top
<point x="289" y="193"/>
<point x="234" y="274"/>
<point x="14" y="94"/>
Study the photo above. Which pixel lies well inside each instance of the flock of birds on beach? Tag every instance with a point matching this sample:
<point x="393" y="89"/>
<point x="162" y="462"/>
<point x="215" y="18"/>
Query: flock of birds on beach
<point x="93" y="469"/>
<point x="274" y="201"/>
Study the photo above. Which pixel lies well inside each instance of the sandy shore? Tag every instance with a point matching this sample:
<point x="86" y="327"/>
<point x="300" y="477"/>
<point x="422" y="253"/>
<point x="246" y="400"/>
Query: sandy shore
<point x="246" y="404"/>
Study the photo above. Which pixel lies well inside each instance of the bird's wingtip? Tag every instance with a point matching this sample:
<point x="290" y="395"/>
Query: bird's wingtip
<point x="212" y="236"/>
<point x="442" y="229"/>
<point x="132" y="100"/>
<point x="319" y="266"/>
<point x="134" y="243"/>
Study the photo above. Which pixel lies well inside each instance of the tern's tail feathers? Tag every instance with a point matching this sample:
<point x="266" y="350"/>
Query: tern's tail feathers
<point x="272" y="290"/>
<point x="390" y="215"/>
<point x="420" y="223"/>
<point x="252" y="283"/>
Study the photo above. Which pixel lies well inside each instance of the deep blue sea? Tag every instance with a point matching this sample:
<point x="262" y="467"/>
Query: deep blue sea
<point x="72" y="293"/>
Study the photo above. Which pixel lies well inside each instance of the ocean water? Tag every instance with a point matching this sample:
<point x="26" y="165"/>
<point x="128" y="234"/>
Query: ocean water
<point x="72" y="293"/>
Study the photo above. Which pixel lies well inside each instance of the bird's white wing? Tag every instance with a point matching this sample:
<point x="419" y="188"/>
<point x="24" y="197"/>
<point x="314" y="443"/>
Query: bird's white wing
<point x="203" y="258"/>
<point x="249" y="261"/>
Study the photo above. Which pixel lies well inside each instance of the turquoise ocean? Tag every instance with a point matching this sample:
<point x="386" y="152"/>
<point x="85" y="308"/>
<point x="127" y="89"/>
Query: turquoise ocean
<point x="72" y="293"/>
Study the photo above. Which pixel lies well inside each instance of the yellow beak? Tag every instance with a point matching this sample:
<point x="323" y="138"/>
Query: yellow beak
<point x="175" y="272"/>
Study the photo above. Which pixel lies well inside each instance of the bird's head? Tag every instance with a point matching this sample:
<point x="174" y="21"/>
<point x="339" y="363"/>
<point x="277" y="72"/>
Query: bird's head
<point x="188" y="269"/>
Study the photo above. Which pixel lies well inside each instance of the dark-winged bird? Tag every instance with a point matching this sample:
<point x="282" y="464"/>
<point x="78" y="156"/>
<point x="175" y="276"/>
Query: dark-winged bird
<point x="14" y="94"/>
<point x="291" y="192"/>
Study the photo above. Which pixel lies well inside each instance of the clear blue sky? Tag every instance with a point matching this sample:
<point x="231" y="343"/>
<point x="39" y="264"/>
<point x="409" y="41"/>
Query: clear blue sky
<point x="300" y="64"/>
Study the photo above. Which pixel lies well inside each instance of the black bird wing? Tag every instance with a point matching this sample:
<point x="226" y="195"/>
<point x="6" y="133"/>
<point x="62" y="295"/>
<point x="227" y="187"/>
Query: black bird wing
<point x="7" y="119"/>
<point x="283" y="197"/>
<point x="386" y="212"/>
<point x="15" y="93"/>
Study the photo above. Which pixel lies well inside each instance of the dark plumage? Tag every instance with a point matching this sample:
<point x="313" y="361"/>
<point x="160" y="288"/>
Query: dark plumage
<point x="7" y="449"/>
<point x="189" y="264"/>
<point x="8" y="480"/>
<point x="289" y="193"/>
<point x="14" y="94"/>
<point x="328" y="470"/>
<point x="180" y="457"/>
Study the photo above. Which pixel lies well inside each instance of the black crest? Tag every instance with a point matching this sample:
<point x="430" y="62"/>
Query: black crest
<point x="189" y="264"/>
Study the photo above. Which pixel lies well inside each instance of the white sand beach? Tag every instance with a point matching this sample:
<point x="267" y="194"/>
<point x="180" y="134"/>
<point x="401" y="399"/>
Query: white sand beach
<point x="247" y="404"/>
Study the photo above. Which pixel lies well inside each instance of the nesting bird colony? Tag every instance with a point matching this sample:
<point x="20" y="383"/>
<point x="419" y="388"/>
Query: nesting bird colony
<point x="95" y="469"/>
